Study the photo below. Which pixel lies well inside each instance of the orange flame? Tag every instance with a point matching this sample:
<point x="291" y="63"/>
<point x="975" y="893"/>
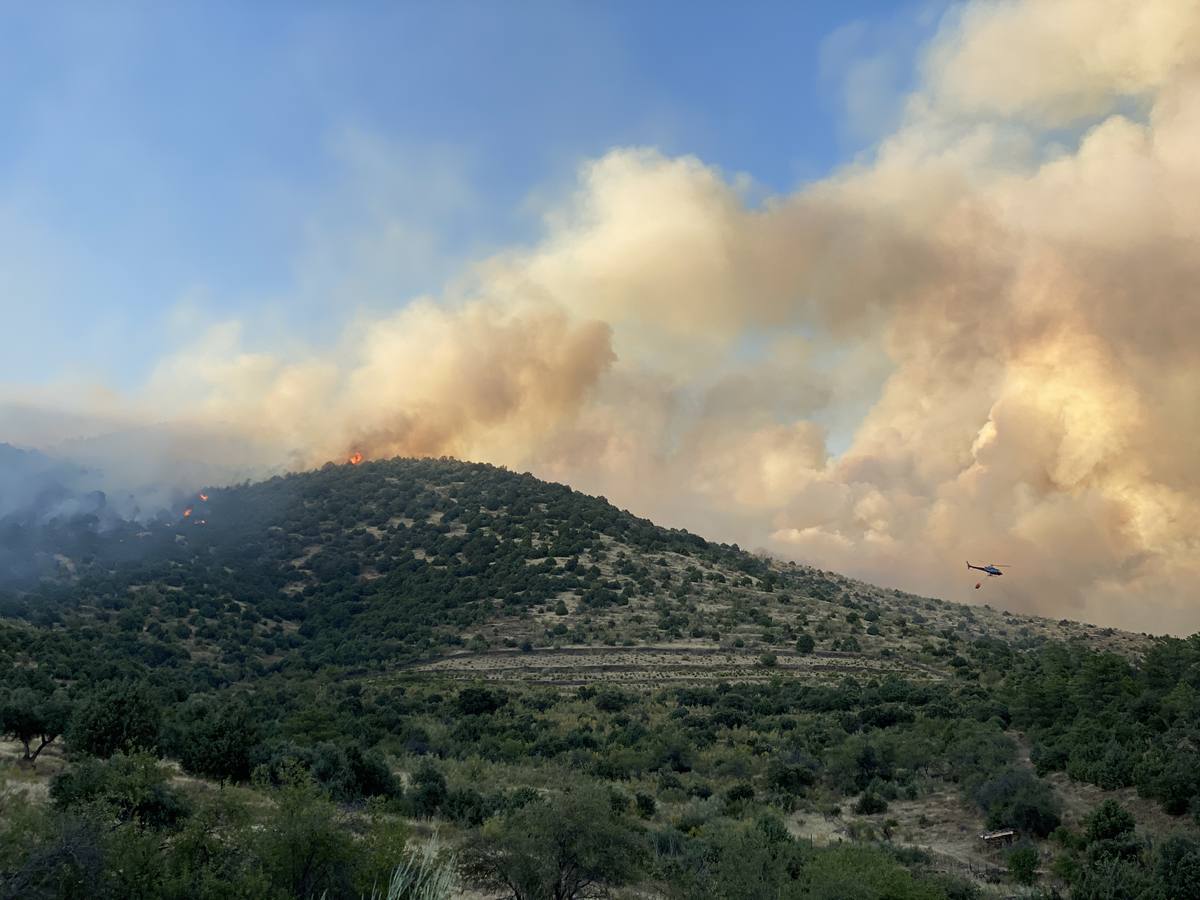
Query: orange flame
<point x="187" y="512"/>
<point x="203" y="496"/>
<point x="355" y="458"/>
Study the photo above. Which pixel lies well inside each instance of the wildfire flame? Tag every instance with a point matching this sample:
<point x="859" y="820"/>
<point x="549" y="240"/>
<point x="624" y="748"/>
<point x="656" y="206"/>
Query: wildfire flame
<point x="355" y="458"/>
<point x="203" y="496"/>
<point x="187" y="512"/>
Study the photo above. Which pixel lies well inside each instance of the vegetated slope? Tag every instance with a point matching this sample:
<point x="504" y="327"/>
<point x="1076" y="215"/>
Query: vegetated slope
<point x="401" y="560"/>
<point x="325" y="623"/>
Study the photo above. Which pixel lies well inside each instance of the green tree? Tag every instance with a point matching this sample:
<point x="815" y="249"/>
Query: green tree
<point x="1108" y="821"/>
<point x="217" y="739"/>
<point x="122" y="715"/>
<point x="1177" y="867"/>
<point x="34" y="718"/>
<point x="572" y="846"/>
<point x="1112" y="878"/>
<point x="1016" y="798"/>
<point x="215" y="854"/>
<point x="1022" y="864"/>
<point x="429" y="791"/>
<point x="305" y="847"/>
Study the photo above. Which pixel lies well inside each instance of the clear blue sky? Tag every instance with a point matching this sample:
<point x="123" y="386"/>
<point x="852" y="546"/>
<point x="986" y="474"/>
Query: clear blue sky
<point x="155" y="155"/>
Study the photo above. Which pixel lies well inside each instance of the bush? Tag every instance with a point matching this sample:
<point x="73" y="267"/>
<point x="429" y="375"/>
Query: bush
<point x="1108" y="821"/>
<point x="305" y="848"/>
<point x="474" y="701"/>
<point x="1177" y="867"/>
<point x="428" y="792"/>
<point x="1022" y="865"/>
<point x="740" y="792"/>
<point x="133" y="787"/>
<point x="870" y="804"/>
<point x="1017" y="799"/>
<point x="566" y="848"/>
<point x="345" y="775"/>
<point x="467" y="806"/>
<point x="789" y="779"/>
<point x="645" y="805"/>
<point x="217" y="740"/>
<point x="736" y="861"/>
<point x="865" y="873"/>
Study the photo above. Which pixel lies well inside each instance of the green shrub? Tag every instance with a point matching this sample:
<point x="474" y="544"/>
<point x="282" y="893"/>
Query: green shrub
<point x="1022" y="864"/>
<point x="134" y="788"/>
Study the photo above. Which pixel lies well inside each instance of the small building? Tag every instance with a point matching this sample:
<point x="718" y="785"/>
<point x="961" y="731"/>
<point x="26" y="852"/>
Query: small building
<point x="1001" y="838"/>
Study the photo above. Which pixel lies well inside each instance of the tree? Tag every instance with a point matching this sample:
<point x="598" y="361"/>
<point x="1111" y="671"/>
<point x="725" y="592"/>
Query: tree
<point x="1110" y="833"/>
<point x="218" y="739"/>
<point x="1109" y="821"/>
<point x="570" y="847"/>
<point x="121" y="715"/>
<point x="1022" y="864"/>
<point x="304" y="846"/>
<point x="476" y="701"/>
<point x="30" y="716"/>
<point x="1017" y="799"/>
<point x="429" y="790"/>
<point x="805" y="644"/>
<point x="1178" y="867"/>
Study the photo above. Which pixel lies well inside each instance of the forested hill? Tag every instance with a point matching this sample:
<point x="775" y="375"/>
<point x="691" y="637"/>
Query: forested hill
<point x="460" y="643"/>
<point x="396" y="560"/>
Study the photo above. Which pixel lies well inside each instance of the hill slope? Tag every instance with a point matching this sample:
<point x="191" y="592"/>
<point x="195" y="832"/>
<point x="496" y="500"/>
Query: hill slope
<point x="460" y="642"/>
<point x="395" y="561"/>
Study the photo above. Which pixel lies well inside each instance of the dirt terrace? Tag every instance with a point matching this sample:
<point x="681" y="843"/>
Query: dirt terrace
<point x="659" y="665"/>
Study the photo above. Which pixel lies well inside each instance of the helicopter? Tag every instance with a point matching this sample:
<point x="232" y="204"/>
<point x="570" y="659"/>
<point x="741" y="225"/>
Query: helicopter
<point x="991" y="570"/>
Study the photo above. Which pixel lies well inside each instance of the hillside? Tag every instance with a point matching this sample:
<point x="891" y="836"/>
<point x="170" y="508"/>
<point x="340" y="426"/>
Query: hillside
<point x="454" y="644"/>
<point x="394" y="561"/>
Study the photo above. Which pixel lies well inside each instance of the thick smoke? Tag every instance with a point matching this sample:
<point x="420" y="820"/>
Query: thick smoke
<point x="978" y="343"/>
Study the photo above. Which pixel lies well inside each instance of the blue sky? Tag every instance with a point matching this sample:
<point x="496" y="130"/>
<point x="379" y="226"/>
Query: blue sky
<point x="166" y="165"/>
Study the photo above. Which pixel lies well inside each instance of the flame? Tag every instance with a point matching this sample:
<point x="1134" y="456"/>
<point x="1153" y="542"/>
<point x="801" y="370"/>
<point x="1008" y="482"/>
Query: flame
<point x="355" y="458"/>
<point x="203" y="496"/>
<point x="187" y="512"/>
